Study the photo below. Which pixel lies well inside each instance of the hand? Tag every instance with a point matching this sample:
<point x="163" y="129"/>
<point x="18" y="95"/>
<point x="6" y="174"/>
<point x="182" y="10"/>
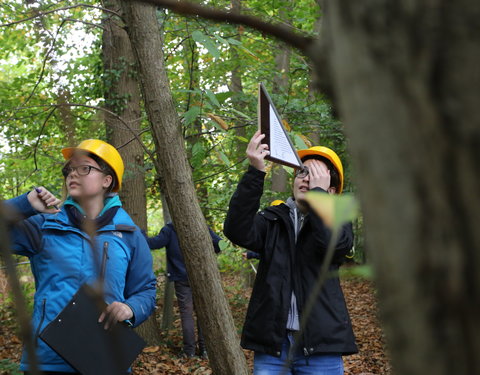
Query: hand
<point x="319" y="175"/>
<point x="115" y="312"/>
<point x="43" y="201"/>
<point x="256" y="151"/>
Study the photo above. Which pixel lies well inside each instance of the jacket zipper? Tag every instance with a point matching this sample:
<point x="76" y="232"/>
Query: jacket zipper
<point x="104" y="262"/>
<point x="37" y="333"/>
<point x="300" y="299"/>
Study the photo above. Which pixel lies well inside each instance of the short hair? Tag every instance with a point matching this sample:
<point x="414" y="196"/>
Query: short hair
<point x="334" y="175"/>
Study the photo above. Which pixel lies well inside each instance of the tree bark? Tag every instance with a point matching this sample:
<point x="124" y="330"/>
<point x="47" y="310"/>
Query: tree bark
<point x="216" y="320"/>
<point x="236" y="83"/>
<point x="407" y="79"/>
<point x="122" y="97"/>
<point x="279" y="175"/>
<point x="169" y="290"/>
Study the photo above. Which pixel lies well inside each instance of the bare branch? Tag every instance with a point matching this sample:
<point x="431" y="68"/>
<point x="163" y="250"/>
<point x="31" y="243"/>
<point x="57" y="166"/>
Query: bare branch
<point x="119" y="118"/>
<point x="282" y="32"/>
<point x="40" y="14"/>
<point x="85" y="23"/>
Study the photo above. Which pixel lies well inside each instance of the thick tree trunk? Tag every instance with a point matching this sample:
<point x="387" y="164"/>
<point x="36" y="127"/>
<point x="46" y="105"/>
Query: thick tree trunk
<point x="407" y="80"/>
<point x="123" y="98"/>
<point x="216" y="320"/>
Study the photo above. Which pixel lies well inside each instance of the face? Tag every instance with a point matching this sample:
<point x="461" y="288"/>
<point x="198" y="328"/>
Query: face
<point x="80" y="185"/>
<point x="301" y="185"/>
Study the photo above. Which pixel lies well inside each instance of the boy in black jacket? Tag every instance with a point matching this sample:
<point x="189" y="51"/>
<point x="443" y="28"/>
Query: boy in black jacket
<point x="292" y="241"/>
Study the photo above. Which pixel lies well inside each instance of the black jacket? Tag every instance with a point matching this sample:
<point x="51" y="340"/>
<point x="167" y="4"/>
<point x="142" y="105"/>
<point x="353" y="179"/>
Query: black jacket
<point x="285" y="266"/>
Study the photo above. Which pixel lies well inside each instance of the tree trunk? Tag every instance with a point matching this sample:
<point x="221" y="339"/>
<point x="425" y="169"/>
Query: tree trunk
<point x="169" y="290"/>
<point x="280" y="85"/>
<point x="216" y="320"/>
<point x="236" y="83"/>
<point x="122" y="97"/>
<point x="65" y="112"/>
<point x="407" y="80"/>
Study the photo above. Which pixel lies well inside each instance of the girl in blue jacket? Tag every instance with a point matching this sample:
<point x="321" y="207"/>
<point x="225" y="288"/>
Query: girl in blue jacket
<point x="59" y="245"/>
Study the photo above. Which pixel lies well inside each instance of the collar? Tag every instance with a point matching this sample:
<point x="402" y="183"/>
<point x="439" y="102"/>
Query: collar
<point x="111" y="200"/>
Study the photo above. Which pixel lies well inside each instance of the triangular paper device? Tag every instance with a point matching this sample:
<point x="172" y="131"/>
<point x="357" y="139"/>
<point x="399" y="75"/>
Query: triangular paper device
<point x="270" y="124"/>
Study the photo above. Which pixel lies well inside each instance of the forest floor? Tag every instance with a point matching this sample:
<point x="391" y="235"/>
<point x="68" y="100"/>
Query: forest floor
<point x="166" y="359"/>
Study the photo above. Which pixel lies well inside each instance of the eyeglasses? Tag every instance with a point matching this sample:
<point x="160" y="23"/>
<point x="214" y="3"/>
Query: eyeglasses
<point x="82" y="170"/>
<point x="302" y="173"/>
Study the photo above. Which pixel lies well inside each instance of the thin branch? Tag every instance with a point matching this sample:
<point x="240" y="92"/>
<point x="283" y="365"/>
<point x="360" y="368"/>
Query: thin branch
<point x="39" y="136"/>
<point x="40" y="14"/>
<point x="85" y="23"/>
<point x="282" y="32"/>
<point x="119" y="118"/>
<point x="223" y="170"/>
<point x="44" y="63"/>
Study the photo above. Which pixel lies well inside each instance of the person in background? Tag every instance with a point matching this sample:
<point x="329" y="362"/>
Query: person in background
<point x="177" y="273"/>
<point x="292" y="241"/>
<point x="58" y="243"/>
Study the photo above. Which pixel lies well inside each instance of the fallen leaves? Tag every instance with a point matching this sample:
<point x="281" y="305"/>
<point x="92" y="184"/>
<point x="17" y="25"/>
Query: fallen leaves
<point x="165" y="359"/>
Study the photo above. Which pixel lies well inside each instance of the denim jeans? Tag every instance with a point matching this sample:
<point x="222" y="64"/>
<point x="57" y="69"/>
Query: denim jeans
<point x="318" y="364"/>
<point x="185" y="306"/>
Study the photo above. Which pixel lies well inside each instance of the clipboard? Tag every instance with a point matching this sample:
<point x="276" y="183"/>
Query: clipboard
<point x="280" y="146"/>
<point x="80" y="340"/>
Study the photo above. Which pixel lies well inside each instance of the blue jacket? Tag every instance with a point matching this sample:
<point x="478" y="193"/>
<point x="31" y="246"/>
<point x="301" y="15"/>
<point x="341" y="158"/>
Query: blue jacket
<point x="62" y="260"/>
<point x="167" y="237"/>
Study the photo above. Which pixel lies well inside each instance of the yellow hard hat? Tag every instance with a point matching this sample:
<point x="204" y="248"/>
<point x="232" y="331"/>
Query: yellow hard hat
<point x="104" y="151"/>
<point x="328" y="154"/>
<point x="276" y="202"/>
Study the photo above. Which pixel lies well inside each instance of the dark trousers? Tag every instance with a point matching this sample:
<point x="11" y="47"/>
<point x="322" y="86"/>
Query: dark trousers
<point x="185" y="306"/>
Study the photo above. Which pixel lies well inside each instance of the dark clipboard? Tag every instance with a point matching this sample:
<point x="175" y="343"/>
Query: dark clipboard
<point x="80" y="340"/>
<point x="264" y="124"/>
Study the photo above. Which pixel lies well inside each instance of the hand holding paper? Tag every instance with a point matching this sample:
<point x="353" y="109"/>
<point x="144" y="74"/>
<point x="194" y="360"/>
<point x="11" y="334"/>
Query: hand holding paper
<point x="280" y="149"/>
<point x="256" y="151"/>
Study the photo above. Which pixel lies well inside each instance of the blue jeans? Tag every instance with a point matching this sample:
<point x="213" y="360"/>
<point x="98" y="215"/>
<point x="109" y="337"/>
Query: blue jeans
<point x="316" y="364"/>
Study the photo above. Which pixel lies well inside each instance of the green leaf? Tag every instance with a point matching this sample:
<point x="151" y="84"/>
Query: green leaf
<point x="242" y="139"/>
<point x="221" y="40"/>
<point x="224" y="158"/>
<point x="335" y="210"/>
<point x="241" y="114"/>
<point x="222" y="96"/>
<point x="299" y="142"/>
<point x="207" y="42"/>
<point x="248" y="52"/>
<point x="234" y="41"/>
<point x="198" y="155"/>
<point x="213" y="99"/>
<point x="223" y="244"/>
<point x="191" y="115"/>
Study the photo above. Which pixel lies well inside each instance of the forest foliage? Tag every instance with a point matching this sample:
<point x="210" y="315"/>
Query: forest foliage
<point x="53" y="85"/>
